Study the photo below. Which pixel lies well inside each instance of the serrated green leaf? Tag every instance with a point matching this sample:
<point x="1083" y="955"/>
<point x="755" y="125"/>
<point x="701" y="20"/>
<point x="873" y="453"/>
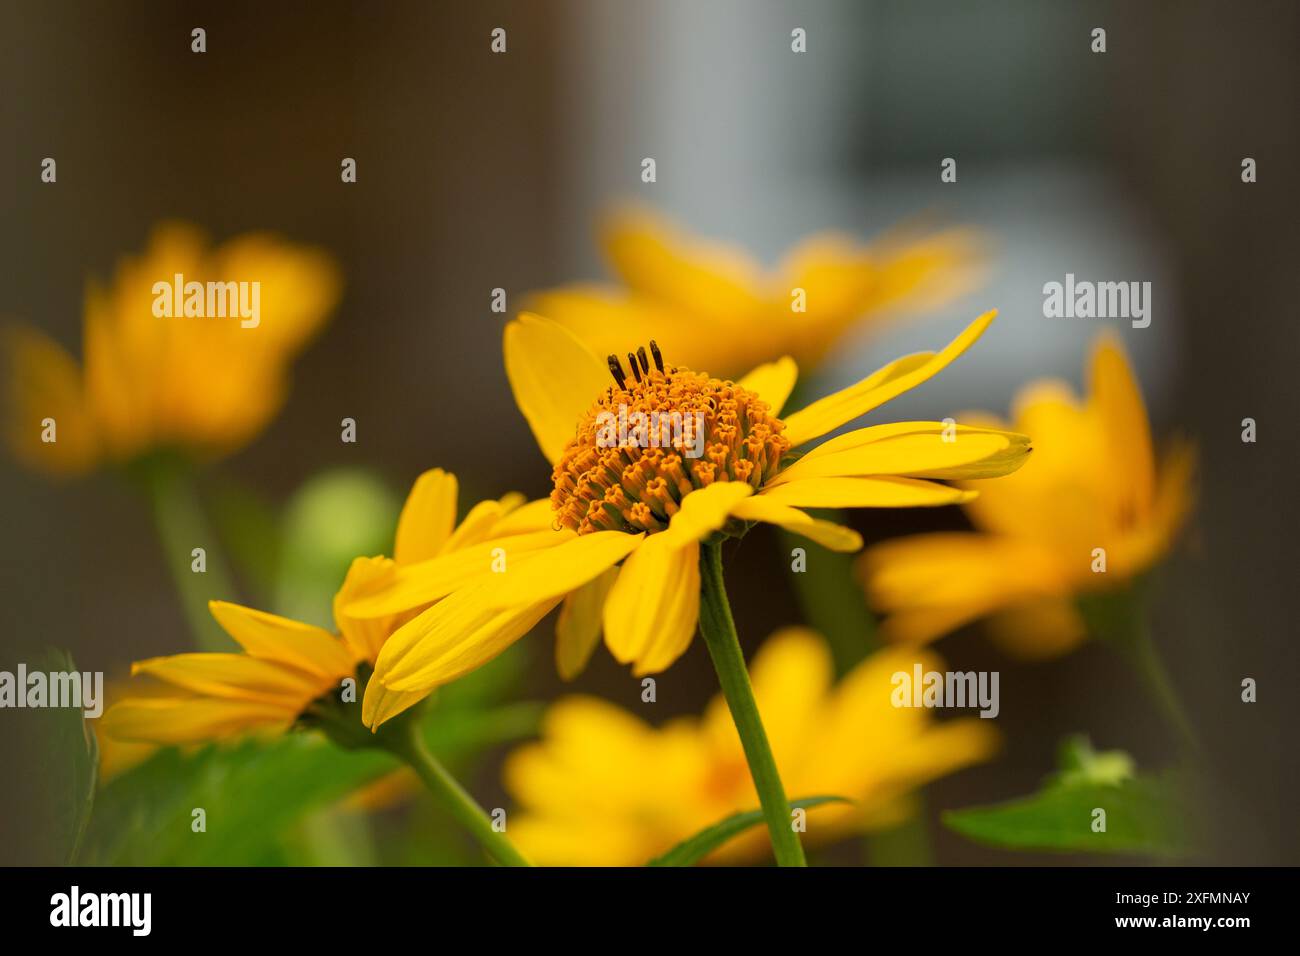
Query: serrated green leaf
<point x="693" y="849"/>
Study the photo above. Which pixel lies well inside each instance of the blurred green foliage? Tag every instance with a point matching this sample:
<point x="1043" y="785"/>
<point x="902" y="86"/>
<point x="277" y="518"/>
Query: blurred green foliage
<point x="1146" y="814"/>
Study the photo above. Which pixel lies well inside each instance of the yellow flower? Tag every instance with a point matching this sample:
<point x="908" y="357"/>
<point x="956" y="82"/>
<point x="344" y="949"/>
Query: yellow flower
<point x="1092" y="493"/>
<point x="710" y="305"/>
<point x="203" y="384"/>
<point x="605" y="788"/>
<point x="285" y="664"/>
<point x="653" y="506"/>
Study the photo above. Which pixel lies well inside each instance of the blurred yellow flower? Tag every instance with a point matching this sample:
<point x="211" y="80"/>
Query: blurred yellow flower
<point x="653" y="503"/>
<point x="1092" y="493"/>
<point x="605" y="788"/>
<point x="203" y="384"/>
<point x="287" y="665"/>
<point x="711" y="305"/>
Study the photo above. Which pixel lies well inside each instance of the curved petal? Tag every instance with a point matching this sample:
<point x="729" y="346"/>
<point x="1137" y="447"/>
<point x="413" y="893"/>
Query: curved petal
<point x="577" y="631"/>
<point x="687" y="274"/>
<point x="654" y="606"/>
<point x="827" y="414"/>
<point x="1115" y="394"/>
<point x="475" y="623"/>
<point x="43" y="381"/>
<point x="556" y="571"/>
<point x="419" y="584"/>
<point x="931" y="584"/>
<point x="364" y="636"/>
<point x="189" y="720"/>
<point x="235" y="676"/>
<point x="883" y="492"/>
<point x="704" y="511"/>
<point x="382" y="703"/>
<point x="276" y="638"/>
<point x="538" y="515"/>
<point x="555" y="379"/>
<point x="918" y="449"/>
<point x="449" y="640"/>
<point x="773" y="382"/>
<point x="826" y="533"/>
<point x="427" y="517"/>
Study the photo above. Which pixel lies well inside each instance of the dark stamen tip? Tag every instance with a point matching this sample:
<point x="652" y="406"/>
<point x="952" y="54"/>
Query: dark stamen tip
<point x="658" y="356"/>
<point x="616" y="369"/>
<point x="645" y="363"/>
<point x="631" y="360"/>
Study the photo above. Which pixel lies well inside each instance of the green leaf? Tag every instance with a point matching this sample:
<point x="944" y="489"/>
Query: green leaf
<point x="254" y="792"/>
<point x="693" y="849"/>
<point x="1145" y="814"/>
<point x="69" y="765"/>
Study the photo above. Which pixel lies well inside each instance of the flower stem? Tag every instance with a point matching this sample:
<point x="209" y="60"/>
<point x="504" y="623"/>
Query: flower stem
<point x="455" y="798"/>
<point x="719" y="632"/>
<point x="1120" y="619"/>
<point x="1142" y="652"/>
<point x="182" y="527"/>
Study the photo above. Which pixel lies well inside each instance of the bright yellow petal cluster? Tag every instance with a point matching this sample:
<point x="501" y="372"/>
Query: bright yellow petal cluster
<point x="206" y="385"/>
<point x="1093" y="484"/>
<point x="647" y="607"/>
<point x="285" y="664"/>
<point x="605" y="788"/>
<point x="713" y="306"/>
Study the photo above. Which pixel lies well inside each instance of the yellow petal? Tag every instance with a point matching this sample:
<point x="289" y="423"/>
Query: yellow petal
<point x="165" y="720"/>
<point x="364" y="636"/>
<point x="416" y="585"/>
<point x="692" y="276"/>
<point x="450" y="639"/>
<point x="474" y="624"/>
<point x="577" y="631"/>
<point x="476" y="527"/>
<point x="773" y="382"/>
<point x="885" y="492"/>
<point x="704" y="511"/>
<point x="554" y="379"/>
<point x="653" y="607"/>
<point x="276" y="638"/>
<point x="826" y="533"/>
<point x="43" y="382"/>
<point x="1038" y="629"/>
<point x="917" y="449"/>
<point x="427" y="517"/>
<point x="829" y="413"/>
<point x="381" y="704"/>
<point x="791" y="674"/>
<point x="534" y="516"/>
<point x="235" y="676"/>
<point x="931" y="584"/>
<point x="553" y="573"/>
<point x="1117" y="397"/>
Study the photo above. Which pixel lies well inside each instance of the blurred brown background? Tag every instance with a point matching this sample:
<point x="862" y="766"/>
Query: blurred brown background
<point x="477" y="171"/>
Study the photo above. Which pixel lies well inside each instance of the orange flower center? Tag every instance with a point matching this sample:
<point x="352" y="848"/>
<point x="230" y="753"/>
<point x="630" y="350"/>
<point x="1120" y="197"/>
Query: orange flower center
<point x="654" y="437"/>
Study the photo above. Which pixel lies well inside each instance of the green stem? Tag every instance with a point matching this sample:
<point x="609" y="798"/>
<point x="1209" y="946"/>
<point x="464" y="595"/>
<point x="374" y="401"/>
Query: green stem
<point x="182" y="526"/>
<point x="1120" y="619"/>
<point x="719" y="632"/>
<point x="455" y="798"/>
<point x="1142" y="652"/>
<point x="834" y="605"/>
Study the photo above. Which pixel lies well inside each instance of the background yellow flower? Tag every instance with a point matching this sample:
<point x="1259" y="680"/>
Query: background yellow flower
<point x="205" y="385"/>
<point x="603" y="787"/>
<point x="713" y="306"/>
<point x="1091" y="483"/>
